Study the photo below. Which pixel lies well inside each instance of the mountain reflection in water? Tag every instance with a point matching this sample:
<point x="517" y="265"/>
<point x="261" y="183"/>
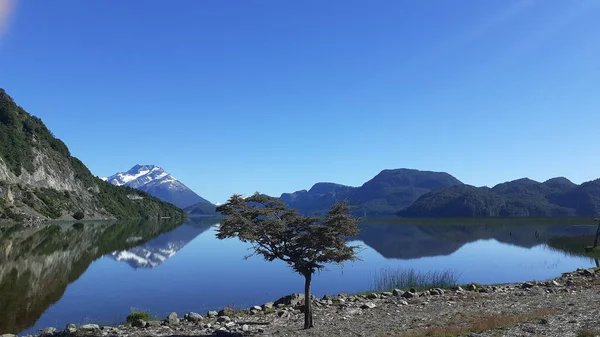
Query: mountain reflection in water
<point x="37" y="265"/>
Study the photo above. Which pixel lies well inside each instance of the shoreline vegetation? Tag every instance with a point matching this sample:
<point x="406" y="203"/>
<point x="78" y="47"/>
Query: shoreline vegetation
<point x="285" y="313"/>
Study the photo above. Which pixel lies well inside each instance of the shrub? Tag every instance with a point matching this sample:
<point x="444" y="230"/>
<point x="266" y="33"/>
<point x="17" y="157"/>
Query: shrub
<point x="78" y="215"/>
<point x="388" y="279"/>
<point x="138" y="315"/>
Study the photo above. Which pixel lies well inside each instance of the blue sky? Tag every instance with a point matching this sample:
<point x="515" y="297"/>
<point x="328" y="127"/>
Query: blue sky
<point x="273" y="96"/>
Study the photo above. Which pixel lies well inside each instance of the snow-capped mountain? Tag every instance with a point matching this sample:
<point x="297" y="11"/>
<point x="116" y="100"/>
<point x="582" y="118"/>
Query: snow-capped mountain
<point x="159" y="183"/>
<point x="158" y="250"/>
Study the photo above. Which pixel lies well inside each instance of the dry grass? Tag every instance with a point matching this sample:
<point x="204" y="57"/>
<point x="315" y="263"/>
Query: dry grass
<point x="482" y="323"/>
<point x="588" y="332"/>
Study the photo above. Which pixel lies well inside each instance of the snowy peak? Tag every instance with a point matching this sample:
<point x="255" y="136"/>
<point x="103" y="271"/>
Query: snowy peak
<point x="159" y="183"/>
<point x="140" y="175"/>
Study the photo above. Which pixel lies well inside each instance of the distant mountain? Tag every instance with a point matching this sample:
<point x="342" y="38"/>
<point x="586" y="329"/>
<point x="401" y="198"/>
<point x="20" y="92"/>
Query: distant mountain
<point x="39" y="179"/>
<point x="522" y="197"/>
<point x="157" y="182"/>
<point x="158" y="250"/>
<point x="203" y="208"/>
<point x="385" y="194"/>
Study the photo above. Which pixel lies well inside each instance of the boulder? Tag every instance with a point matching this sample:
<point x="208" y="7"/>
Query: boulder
<point x="48" y="331"/>
<point x="387" y="293"/>
<point x="472" y="287"/>
<point x="71" y="328"/>
<point x="397" y="292"/>
<point x="172" y="318"/>
<point x="527" y="285"/>
<point x="226" y="312"/>
<point x="268" y="306"/>
<point x="223" y="319"/>
<point x="245" y="327"/>
<point x="139" y="323"/>
<point x="90" y="327"/>
<point x="409" y="294"/>
<point x="293" y="300"/>
<point x="373" y="296"/>
<point x="212" y="314"/>
<point x="193" y="317"/>
<point x="368" y="305"/>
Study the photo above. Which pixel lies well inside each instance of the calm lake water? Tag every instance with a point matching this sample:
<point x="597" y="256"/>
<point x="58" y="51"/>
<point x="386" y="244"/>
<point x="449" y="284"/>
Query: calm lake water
<point x="100" y="272"/>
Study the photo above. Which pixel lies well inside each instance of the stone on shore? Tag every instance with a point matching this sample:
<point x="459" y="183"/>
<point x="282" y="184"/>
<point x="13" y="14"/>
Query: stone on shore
<point x="71" y="328"/>
<point x="139" y="323"/>
<point x="397" y="292"/>
<point x="268" y="306"/>
<point x="193" y="317"/>
<point x="8" y="335"/>
<point x="48" y="331"/>
<point x="368" y="305"/>
<point x="212" y="314"/>
<point x="172" y="318"/>
<point x="409" y="294"/>
<point x="90" y="327"/>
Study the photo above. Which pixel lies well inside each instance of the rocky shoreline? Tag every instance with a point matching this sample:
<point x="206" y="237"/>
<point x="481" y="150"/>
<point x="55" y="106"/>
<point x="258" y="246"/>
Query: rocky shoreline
<point x="565" y="306"/>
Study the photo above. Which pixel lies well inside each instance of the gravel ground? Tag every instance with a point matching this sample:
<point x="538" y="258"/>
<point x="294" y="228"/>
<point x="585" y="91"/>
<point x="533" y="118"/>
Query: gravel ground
<point x="561" y="307"/>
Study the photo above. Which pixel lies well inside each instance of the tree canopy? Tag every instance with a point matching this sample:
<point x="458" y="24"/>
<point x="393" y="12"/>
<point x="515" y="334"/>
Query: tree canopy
<point x="275" y="231"/>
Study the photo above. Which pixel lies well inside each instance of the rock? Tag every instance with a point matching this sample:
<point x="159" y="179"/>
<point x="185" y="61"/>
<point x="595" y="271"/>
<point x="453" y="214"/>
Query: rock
<point x="588" y="272"/>
<point x="245" y="327"/>
<point x="212" y="314"/>
<point x="254" y="312"/>
<point x="268" y="306"/>
<point x="257" y="308"/>
<point x="224" y="319"/>
<point x="412" y="290"/>
<point x="373" y="296"/>
<point x="222" y="331"/>
<point x="261" y="330"/>
<point x="440" y="291"/>
<point x="387" y="293"/>
<point x="409" y="294"/>
<point x="207" y="326"/>
<point x="554" y="283"/>
<point x="281" y="313"/>
<point x="527" y="285"/>
<point x="71" y="328"/>
<point x="90" y="327"/>
<point x="139" y="323"/>
<point x="472" y="287"/>
<point x="403" y="302"/>
<point x="459" y="289"/>
<point x="397" y="292"/>
<point x="193" y="317"/>
<point x="48" y="332"/>
<point x="293" y="300"/>
<point x="226" y="312"/>
<point x="434" y="292"/>
<point x="341" y="301"/>
<point x="153" y="323"/>
<point x="368" y="305"/>
<point x="8" y="335"/>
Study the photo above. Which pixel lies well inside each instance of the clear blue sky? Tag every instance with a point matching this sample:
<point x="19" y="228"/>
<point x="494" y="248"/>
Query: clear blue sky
<point x="273" y="96"/>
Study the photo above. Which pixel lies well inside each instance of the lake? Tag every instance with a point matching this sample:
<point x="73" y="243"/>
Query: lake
<point x="99" y="272"/>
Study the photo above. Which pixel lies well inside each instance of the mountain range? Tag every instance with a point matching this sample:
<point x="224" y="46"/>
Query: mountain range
<point x="39" y="179"/>
<point x="384" y="195"/>
<point x="159" y="183"/>
<point x="414" y="193"/>
<point x="522" y="197"/>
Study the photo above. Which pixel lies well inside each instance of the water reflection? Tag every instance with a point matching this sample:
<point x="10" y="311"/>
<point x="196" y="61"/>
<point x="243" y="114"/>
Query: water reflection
<point x="36" y="265"/>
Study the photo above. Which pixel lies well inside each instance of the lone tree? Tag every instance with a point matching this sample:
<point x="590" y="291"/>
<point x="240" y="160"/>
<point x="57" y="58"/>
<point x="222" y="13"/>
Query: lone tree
<point x="278" y="232"/>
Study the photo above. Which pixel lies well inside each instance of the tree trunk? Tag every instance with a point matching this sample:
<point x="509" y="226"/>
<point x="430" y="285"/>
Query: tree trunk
<point x="308" y="319"/>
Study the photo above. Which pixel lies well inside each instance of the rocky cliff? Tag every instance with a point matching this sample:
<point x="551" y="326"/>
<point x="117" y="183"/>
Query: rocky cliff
<point x="39" y="179"/>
